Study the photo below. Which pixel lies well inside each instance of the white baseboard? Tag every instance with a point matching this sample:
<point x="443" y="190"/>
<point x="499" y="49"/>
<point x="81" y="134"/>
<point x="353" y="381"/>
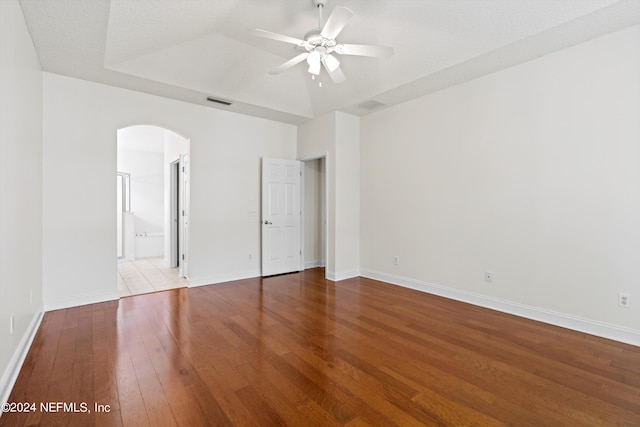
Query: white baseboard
<point x="336" y="276"/>
<point x="592" y="327"/>
<point x="10" y="374"/>
<point x="313" y="264"/>
<point x="75" y="301"/>
<point x="193" y="282"/>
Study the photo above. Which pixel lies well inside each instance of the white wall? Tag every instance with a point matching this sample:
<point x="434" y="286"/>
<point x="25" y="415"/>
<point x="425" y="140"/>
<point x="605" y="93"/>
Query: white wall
<point x="531" y="173"/>
<point x="21" y="190"/>
<point x="347" y="195"/>
<point x="225" y="183"/>
<point x="337" y="135"/>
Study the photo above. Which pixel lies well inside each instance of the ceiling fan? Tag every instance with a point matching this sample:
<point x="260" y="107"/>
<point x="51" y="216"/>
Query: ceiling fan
<point x="320" y="44"/>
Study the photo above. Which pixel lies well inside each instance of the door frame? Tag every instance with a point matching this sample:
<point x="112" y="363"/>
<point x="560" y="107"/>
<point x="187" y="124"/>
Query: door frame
<point x="125" y="206"/>
<point x="184" y="219"/>
<point x="174" y="218"/>
<point x="325" y="156"/>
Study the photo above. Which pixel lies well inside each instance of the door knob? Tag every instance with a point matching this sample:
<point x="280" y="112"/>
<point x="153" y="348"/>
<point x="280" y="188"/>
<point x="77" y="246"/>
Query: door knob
<point x="267" y="222"/>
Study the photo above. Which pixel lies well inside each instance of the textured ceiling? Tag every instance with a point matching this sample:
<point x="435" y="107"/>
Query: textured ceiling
<point x="191" y="49"/>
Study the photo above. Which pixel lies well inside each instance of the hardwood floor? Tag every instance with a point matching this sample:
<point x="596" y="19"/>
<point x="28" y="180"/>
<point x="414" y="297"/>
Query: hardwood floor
<point x="298" y="350"/>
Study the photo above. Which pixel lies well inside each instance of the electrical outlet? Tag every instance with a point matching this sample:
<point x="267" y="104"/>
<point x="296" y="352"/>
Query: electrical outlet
<point x="624" y="300"/>
<point x="250" y="257"/>
<point x="488" y="276"/>
<point x="11" y="322"/>
<point x="396" y="260"/>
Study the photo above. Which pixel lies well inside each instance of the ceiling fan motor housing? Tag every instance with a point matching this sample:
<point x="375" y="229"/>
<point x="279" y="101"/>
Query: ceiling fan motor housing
<point x="314" y="39"/>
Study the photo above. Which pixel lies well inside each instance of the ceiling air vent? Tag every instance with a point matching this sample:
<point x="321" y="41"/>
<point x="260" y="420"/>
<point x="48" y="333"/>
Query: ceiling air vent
<point x="218" y="100"/>
<point x="371" y="105"/>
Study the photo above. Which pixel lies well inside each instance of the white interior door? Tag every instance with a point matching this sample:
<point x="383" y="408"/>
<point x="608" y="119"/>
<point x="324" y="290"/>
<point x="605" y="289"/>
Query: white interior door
<point x="185" y="199"/>
<point x="281" y="216"/>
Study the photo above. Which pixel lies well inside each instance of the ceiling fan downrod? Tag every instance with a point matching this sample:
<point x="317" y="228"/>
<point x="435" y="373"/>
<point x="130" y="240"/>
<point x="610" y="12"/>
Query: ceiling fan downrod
<point x="315" y="60"/>
<point x="320" y="5"/>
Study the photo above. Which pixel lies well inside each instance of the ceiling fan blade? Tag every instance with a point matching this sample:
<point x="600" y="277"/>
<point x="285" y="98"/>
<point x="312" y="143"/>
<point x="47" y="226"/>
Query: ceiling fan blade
<point x="364" y="50"/>
<point x="336" y="22"/>
<point x="290" y="63"/>
<point x="336" y="75"/>
<point x="275" y="36"/>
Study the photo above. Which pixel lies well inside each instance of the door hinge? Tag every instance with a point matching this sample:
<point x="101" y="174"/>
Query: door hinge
<point x="183" y="257"/>
<point x="183" y="212"/>
<point x="183" y="169"/>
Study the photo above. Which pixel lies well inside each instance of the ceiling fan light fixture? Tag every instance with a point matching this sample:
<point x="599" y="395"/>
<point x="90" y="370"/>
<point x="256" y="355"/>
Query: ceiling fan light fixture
<point x="331" y="63"/>
<point x="314" y="62"/>
<point x="314" y="69"/>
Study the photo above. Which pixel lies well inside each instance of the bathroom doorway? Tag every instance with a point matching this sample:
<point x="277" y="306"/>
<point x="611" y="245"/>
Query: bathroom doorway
<point x="152" y="243"/>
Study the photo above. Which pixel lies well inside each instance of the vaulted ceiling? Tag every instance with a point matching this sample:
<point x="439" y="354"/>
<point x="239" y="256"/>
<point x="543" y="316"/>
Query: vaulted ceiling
<point x="192" y="49"/>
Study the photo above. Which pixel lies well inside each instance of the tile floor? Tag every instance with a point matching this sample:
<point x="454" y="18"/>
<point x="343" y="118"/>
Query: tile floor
<point x="146" y="275"/>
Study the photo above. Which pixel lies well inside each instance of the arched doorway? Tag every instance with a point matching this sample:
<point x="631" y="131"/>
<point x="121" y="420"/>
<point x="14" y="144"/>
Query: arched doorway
<point x="152" y="209"/>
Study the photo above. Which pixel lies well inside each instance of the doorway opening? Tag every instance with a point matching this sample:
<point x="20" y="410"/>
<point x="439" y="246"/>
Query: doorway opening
<point x="315" y="212"/>
<point x="152" y="209"/>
